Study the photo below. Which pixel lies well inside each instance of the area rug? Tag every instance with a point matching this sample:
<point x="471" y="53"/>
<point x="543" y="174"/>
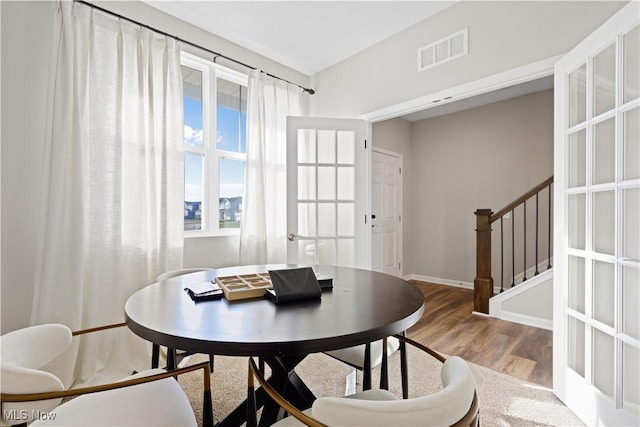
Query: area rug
<point x="504" y="400"/>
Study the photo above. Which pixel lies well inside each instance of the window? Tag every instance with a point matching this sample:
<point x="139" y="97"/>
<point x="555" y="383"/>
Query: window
<point x="215" y="145"/>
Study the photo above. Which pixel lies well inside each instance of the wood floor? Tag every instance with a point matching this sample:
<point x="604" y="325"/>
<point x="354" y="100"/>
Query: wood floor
<point x="448" y="326"/>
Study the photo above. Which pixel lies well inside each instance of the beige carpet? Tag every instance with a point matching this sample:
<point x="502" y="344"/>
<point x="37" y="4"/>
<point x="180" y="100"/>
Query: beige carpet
<point x="504" y="400"/>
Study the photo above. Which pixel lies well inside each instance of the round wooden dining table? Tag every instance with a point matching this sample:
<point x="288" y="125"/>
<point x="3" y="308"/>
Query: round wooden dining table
<point x="361" y="307"/>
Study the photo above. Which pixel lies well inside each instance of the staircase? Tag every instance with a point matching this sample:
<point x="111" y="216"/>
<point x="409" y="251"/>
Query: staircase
<point x="530" y="303"/>
<point x="519" y="251"/>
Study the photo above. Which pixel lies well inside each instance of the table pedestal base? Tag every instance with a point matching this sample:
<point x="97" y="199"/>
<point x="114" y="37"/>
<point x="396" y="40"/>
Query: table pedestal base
<point x="286" y="382"/>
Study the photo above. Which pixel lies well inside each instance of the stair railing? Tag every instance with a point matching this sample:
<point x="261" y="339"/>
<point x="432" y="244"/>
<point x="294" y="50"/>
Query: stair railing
<point x="483" y="283"/>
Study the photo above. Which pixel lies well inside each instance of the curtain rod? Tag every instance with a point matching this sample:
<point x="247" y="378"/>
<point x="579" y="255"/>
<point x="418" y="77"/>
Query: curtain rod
<point x="310" y="91"/>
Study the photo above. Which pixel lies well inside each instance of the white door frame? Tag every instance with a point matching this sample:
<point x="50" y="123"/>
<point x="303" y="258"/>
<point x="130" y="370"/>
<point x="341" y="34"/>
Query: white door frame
<point x="523" y="74"/>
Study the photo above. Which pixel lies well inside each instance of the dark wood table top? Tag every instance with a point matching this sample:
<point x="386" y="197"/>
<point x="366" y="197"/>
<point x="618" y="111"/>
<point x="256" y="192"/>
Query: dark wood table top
<point x="363" y="306"/>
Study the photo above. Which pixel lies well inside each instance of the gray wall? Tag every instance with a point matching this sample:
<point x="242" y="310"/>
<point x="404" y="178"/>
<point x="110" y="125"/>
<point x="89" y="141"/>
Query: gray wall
<point x="502" y="35"/>
<point x="479" y="158"/>
<point x="25" y="64"/>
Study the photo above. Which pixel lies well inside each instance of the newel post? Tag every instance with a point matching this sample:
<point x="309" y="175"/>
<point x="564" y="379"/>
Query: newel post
<point x="483" y="283"/>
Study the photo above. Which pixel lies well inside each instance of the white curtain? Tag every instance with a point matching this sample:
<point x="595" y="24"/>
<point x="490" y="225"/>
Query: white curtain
<point x="112" y="201"/>
<point x="263" y="227"/>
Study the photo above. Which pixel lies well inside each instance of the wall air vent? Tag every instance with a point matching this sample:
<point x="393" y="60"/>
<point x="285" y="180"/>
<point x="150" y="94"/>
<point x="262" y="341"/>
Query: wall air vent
<point x="443" y="50"/>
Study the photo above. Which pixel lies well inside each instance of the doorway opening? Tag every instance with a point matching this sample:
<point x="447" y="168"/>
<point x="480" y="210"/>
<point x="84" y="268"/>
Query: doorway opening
<point x="452" y="162"/>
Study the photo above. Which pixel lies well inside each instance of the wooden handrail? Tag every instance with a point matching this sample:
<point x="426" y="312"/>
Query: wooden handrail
<point x="517" y="202"/>
<point x="483" y="282"/>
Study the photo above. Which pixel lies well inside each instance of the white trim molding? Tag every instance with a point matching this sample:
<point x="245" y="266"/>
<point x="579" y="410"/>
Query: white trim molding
<point x="439" y="281"/>
<point x="491" y="83"/>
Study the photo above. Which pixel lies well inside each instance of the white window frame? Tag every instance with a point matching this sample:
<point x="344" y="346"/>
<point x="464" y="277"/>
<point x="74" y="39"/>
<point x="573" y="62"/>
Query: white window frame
<point x="211" y="185"/>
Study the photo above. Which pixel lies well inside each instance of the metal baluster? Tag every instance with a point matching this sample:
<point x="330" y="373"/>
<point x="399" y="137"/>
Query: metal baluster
<point x="501" y="255"/>
<point x="513" y="249"/>
<point x="524" y="264"/>
<point x="537" y="272"/>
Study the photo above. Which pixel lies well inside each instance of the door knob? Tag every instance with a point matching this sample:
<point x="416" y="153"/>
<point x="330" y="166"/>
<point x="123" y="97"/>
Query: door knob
<point x="292" y="237"/>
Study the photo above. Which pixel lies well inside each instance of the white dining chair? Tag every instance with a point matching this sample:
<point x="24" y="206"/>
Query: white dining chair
<point x="365" y="358"/>
<point x="455" y="404"/>
<point x="32" y="395"/>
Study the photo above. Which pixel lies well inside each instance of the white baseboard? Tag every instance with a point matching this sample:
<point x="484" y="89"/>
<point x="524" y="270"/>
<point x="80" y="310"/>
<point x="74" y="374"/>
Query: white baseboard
<point x="523" y="319"/>
<point x="439" y="281"/>
<point x="479" y="313"/>
<point x="448" y="282"/>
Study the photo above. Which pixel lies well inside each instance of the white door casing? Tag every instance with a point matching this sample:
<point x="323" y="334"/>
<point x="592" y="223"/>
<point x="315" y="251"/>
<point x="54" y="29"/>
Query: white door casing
<point x="597" y="224"/>
<point x="327" y="192"/>
<point x="386" y="212"/>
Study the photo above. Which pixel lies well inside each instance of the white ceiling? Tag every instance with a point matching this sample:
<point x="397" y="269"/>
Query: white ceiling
<point x="307" y="36"/>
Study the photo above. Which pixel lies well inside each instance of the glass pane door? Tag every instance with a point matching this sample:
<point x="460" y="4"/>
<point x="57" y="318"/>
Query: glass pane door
<point x="597" y="277"/>
<point x="327" y="192"/>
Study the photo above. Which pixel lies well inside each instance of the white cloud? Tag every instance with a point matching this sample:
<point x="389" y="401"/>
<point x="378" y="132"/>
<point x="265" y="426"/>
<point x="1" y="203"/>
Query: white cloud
<point x="193" y="192"/>
<point x="192" y="136"/>
<point x="231" y="190"/>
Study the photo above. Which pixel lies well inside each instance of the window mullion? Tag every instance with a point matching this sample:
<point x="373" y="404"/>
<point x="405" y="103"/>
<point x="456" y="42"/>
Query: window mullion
<point x="212" y="180"/>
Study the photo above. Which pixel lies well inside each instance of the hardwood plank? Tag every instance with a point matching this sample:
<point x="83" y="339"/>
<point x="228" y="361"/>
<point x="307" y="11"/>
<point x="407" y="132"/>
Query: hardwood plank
<point x="519" y="367"/>
<point x="448" y="326"/>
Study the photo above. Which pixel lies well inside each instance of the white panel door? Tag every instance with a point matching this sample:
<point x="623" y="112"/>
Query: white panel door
<point x="386" y="212"/>
<point x="597" y="224"/>
<point x="327" y="192"/>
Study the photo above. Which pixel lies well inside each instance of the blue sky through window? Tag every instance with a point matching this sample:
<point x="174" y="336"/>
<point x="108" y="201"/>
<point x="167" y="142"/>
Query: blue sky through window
<point x="193" y="166"/>
<point x="231" y="136"/>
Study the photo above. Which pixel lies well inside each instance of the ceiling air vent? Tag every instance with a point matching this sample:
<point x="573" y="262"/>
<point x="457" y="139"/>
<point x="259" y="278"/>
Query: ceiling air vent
<point x="443" y="50"/>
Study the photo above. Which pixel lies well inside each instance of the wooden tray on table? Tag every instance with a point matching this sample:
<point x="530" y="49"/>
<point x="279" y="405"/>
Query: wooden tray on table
<point x="244" y="286"/>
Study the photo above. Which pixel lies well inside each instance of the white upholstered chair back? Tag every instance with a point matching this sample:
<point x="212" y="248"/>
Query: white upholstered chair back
<point x="22" y="354"/>
<point x="150" y="398"/>
<point x="455" y="404"/>
<point x="380" y="408"/>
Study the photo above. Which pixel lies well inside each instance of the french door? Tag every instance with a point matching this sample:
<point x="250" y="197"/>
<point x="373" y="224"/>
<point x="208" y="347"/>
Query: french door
<point x="597" y="222"/>
<point x="327" y="190"/>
